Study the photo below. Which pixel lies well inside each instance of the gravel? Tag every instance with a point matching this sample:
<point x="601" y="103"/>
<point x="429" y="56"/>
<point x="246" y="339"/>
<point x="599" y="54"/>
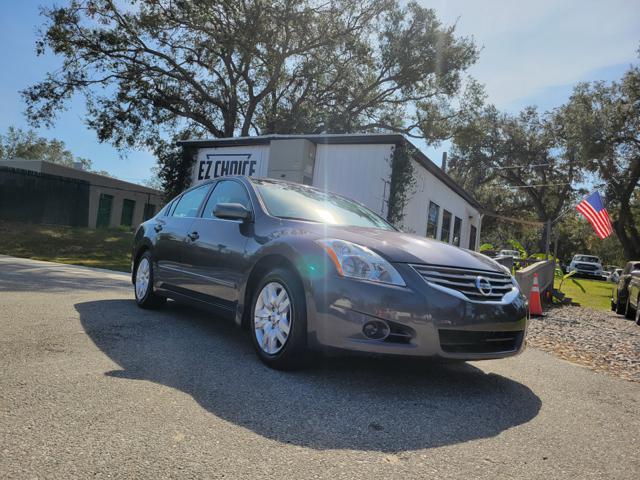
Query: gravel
<point x="602" y="341"/>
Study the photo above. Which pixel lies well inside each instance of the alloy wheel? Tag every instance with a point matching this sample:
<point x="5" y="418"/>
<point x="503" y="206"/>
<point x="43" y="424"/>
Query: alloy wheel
<point x="272" y="318"/>
<point x="143" y="274"/>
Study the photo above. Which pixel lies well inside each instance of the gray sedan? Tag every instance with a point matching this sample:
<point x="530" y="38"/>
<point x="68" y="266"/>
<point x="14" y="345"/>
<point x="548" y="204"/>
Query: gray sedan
<point x="303" y="269"/>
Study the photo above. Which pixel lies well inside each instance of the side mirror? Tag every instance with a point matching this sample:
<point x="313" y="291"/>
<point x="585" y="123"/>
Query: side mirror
<point x="232" y="211"/>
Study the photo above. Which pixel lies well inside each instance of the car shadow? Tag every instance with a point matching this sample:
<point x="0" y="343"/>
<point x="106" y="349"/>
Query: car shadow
<point x="380" y="404"/>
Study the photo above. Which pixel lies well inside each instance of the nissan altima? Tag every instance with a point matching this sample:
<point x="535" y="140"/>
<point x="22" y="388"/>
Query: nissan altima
<point x="304" y="269"/>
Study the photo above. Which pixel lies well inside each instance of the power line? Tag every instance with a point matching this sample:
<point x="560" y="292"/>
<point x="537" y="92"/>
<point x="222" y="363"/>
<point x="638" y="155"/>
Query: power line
<point x="523" y="166"/>
<point x="514" y="220"/>
<point x="539" y="185"/>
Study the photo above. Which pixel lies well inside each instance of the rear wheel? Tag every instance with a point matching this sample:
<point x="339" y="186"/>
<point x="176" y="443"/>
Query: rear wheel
<point x="638" y="311"/>
<point x="143" y="284"/>
<point x="278" y="321"/>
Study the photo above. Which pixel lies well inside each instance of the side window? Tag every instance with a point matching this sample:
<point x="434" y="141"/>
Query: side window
<point x="226" y="191"/>
<point x="190" y="202"/>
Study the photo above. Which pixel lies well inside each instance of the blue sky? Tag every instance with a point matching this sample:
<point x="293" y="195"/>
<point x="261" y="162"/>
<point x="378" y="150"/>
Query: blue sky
<point x="533" y="53"/>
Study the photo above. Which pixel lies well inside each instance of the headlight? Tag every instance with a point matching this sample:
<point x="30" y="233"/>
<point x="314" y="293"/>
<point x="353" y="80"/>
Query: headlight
<point x="356" y="261"/>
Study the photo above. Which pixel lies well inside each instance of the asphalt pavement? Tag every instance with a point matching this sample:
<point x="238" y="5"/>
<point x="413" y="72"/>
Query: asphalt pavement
<point x="92" y="386"/>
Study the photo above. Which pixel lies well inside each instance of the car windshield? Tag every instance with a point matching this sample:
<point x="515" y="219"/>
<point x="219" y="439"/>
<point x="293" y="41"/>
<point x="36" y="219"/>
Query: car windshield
<point x="299" y="202"/>
<point x="586" y="258"/>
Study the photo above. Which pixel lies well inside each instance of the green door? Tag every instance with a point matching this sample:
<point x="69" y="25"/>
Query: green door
<point x="127" y="212"/>
<point x="104" y="210"/>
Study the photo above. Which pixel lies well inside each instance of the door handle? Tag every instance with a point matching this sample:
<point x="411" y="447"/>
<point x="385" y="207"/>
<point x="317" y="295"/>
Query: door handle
<point x="193" y="236"/>
<point x="157" y="227"/>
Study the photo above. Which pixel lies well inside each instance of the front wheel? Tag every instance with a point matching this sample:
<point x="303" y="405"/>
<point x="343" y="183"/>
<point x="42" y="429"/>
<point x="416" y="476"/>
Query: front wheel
<point x="278" y="321"/>
<point x="145" y="296"/>
<point x="629" y="312"/>
<point x="620" y="306"/>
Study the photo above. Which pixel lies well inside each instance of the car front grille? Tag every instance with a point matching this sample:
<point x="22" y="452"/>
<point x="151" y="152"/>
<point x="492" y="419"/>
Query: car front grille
<point x="586" y="266"/>
<point x="463" y="341"/>
<point x="464" y="281"/>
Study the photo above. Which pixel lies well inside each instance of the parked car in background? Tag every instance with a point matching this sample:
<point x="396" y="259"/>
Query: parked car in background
<point x="632" y="310"/>
<point x="587" y="265"/>
<point x="614" y="276"/>
<point x="303" y="269"/>
<point x="515" y="254"/>
<point x="608" y="270"/>
<point x="620" y="292"/>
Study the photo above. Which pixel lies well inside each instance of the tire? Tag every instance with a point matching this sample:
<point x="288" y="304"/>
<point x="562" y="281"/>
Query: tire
<point x="280" y="339"/>
<point x="629" y="312"/>
<point x="620" y="307"/>
<point x="143" y="284"/>
<point x="638" y="312"/>
<point x="613" y="305"/>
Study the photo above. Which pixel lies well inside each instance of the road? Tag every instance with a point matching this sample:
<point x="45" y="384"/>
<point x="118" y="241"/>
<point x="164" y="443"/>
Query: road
<point x="92" y="386"/>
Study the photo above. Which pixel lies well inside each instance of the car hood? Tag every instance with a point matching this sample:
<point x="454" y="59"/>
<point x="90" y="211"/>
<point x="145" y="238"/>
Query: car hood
<point x="402" y="247"/>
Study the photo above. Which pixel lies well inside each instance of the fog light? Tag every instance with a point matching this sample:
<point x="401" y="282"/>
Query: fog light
<point x="376" y="330"/>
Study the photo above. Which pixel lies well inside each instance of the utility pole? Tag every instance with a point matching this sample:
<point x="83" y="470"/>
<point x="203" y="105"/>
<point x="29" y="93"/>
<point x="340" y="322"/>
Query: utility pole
<point x="548" y="240"/>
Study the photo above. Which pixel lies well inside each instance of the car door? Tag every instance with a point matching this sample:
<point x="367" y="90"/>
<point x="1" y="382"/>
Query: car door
<point x="171" y="237"/>
<point x="216" y="250"/>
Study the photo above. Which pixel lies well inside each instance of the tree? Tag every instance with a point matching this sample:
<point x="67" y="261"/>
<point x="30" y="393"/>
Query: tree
<point x="230" y="67"/>
<point x="27" y="145"/>
<point x="601" y="124"/>
<point x="516" y="165"/>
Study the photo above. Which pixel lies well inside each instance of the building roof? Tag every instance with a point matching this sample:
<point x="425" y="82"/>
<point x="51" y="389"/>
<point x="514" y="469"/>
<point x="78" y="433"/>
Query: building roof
<point x="342" y="139"/>
<point x="329" y="138"/>
<point x="94" y="179"/>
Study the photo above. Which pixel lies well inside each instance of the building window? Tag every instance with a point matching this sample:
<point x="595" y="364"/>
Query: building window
<point x="432" y="220"/>
<point x="128" y="206"/>
<point x="446" y="226"/>
<point x="149" y="211"/>
<point x="457" y="226"/>
<point x="472" y="238"/>
<point x="104" y="210"/>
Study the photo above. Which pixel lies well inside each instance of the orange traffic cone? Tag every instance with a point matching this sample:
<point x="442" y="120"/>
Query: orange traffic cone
<point x="535" y="306"/>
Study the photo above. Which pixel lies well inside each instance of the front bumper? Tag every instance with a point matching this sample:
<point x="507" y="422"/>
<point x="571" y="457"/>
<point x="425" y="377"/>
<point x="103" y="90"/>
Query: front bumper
<point x="583" y="271"/>
<point x="423" y="321"/>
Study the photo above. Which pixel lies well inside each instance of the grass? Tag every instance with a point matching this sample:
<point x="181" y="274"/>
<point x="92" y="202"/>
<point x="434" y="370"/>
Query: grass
<point x="101" y="248"/>
<point x="588" y="293"/>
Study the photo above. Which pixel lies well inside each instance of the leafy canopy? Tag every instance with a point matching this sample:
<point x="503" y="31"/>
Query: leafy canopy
<point x="149" y="68"/>
<point x="601" y="125"/>
<point x="27" y="145"/>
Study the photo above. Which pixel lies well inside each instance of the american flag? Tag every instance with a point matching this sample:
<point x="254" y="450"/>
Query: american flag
<point x="593" y="210"/>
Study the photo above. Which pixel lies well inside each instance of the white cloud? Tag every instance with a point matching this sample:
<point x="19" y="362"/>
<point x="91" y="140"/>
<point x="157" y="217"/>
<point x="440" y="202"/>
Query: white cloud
<point x="530" y="46"/>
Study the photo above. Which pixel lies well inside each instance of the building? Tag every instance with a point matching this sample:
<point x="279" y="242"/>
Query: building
<point x="358" y="166"/>
<point x="44" y="192"/>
